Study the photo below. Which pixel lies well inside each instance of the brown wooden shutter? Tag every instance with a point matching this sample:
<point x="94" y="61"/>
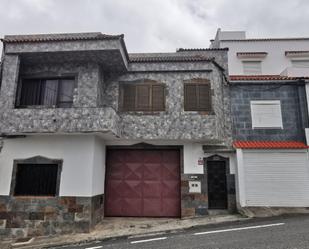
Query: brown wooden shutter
<point x="128" y="97"/>
<point x="197" y="97"/>
<point x="204" y="97"/>
<point x="190" y="97"/>
<point x="143" y="97"/>
<point x="158" y="98"/>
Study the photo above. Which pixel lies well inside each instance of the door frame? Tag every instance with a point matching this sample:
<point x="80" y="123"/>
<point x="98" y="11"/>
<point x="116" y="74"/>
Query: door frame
<point x="218" y="158"/>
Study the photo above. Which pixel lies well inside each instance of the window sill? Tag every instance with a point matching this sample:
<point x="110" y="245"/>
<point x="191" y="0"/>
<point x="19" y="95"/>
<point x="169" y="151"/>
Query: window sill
<point x="26" y="197"/>
<point x="267" y="128"/>
<point x="142" y="112"/>
<point x="40" y="107"/>
<point x="200" y="112"/>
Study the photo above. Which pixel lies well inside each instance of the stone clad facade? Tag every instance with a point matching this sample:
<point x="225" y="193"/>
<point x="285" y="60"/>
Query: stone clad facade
<point x="293" y="105"/>
<point x="272" y="156"/>
<point x="99" y="65"/>
<point x="94" y="97"/>
<point x="48" y="216"/>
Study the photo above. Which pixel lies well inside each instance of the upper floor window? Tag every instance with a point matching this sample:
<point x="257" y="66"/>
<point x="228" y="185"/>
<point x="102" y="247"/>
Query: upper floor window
<point x="300" y="63"/>
<point x="145" y="96"/>
<point x="252" y="67"/>
<point x="49" y="92"/>
<point x="266" y="114"/>
<point x="197" y="95"/>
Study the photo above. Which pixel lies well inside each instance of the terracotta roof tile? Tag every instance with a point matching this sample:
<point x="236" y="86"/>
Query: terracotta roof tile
<point x="263" y="78"/>
<point x="267" y="39"/>
<point x="297" y="52"/>
<point x="269" y="145"/>
<point x="145" y="59"/>
<point x="199" y="49"/>
<point x="245" y="53"/>
<point x="59" y="37"/>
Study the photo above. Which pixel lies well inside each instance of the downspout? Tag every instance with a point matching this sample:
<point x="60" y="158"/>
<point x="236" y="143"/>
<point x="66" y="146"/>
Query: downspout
<point x="1" y="69"/>
<point x="1" y="144"/>
<point x="1" y="62"/>
<point x="225" y="83"/>
<point x="307" y="107"/>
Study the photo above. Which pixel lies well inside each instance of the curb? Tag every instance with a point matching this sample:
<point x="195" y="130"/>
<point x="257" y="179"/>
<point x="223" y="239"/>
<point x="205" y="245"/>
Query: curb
<point x="142" y="234"/>
<point x="48" y="245"/>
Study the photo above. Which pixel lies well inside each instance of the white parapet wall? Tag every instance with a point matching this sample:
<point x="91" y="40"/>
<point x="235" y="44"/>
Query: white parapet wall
<point x="192" y="153"/>
<point x="307" y="135"/>
<point x="83" y="156"/>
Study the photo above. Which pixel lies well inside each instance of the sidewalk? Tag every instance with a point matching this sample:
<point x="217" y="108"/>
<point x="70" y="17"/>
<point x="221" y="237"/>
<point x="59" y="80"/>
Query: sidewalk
<point x="120" y="227"/>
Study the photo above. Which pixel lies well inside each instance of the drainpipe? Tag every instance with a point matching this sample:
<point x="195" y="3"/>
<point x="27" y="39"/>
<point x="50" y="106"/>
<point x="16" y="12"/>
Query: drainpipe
<point x="1" y="69"/>
<point x="1" y="143"/>
<point x="1" y="62"/>
<point x="307" y="100"/>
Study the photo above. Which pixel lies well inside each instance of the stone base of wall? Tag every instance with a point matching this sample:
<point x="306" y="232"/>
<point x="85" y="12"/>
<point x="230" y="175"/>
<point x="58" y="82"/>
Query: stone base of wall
<point x="196" y="204"/>
<point x="193" y="204"/>
<point x="41" y="216"/>
<point x="272" y="211"/>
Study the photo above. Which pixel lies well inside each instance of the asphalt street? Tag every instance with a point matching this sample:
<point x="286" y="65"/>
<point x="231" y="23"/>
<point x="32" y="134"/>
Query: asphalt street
<point x="280" y="233"/>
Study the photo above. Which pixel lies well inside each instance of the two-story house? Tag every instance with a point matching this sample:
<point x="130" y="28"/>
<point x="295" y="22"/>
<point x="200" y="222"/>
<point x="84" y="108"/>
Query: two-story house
<point x="89" y="130"/>
<point x="269" y="99"/>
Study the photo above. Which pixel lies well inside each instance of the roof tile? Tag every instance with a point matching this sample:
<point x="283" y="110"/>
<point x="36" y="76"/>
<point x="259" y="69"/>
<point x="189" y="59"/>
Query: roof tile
<point x="143" y="59"/>
<point x="199" y="49"/>
<point x="269" y="145"/>
<point x="263" y="78"/>
<point x="267" y="39"/>
<point x="296" y="52"/>
<point x="59" y="37"/>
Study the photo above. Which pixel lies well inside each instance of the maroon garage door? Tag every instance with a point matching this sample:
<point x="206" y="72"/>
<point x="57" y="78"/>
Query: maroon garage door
<point x="143" y="183"/>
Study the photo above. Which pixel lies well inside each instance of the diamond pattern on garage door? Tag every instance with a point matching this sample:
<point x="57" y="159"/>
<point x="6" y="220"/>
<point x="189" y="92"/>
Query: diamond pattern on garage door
<point x="142" y="183"/>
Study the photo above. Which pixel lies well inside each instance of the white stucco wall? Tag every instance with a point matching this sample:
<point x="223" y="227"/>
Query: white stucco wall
<point x="240" y="179"/>
<point x="82" y="155"/>
<point x="83" y="171"/>
<point x="274" y="63"/>
<point x="98" y="173"/>
<point x="191" y="154"/>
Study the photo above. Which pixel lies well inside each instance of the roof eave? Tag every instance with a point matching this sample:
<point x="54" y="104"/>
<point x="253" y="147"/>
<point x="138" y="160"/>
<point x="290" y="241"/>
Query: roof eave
<point x="263" y="81"/>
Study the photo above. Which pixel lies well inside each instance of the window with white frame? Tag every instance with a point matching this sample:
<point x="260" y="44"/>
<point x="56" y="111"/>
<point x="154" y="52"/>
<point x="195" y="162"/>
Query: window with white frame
<point x="300" y="63"/>
<point x="252" y="67"/>
<point x="266" y="114"/>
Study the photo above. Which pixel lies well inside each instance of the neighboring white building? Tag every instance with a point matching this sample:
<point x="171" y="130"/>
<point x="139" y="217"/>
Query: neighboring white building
<point x="264" y="56"/>
<point x="272" y="170"/>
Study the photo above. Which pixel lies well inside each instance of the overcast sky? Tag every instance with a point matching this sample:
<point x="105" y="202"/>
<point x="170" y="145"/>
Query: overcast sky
<point x="157" y="25"/>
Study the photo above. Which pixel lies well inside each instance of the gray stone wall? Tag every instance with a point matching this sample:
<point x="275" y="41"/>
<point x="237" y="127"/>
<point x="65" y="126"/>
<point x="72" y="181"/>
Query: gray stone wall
<point x="197" y="204"/>
<point x="174" y="122"/>
<point x="59" y="120"/>
<point x="293" y="107"/>
<point x="95" y="106"/>
<point x="41" y="216"/>
<point x="87" y="76"/>
<point x="10" y="72"/>
<point x="84" y="116"/>
<point x="220" y="56"/>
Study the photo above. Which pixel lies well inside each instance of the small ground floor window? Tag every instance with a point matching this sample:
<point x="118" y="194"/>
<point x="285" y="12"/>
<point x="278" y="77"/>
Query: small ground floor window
<point x="36" y="176"/>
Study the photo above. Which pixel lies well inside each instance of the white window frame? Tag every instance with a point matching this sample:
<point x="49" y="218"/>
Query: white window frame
<point x="255" y="124"/>
<point x="303" y="60"/>
<point x="251" y="61"/>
